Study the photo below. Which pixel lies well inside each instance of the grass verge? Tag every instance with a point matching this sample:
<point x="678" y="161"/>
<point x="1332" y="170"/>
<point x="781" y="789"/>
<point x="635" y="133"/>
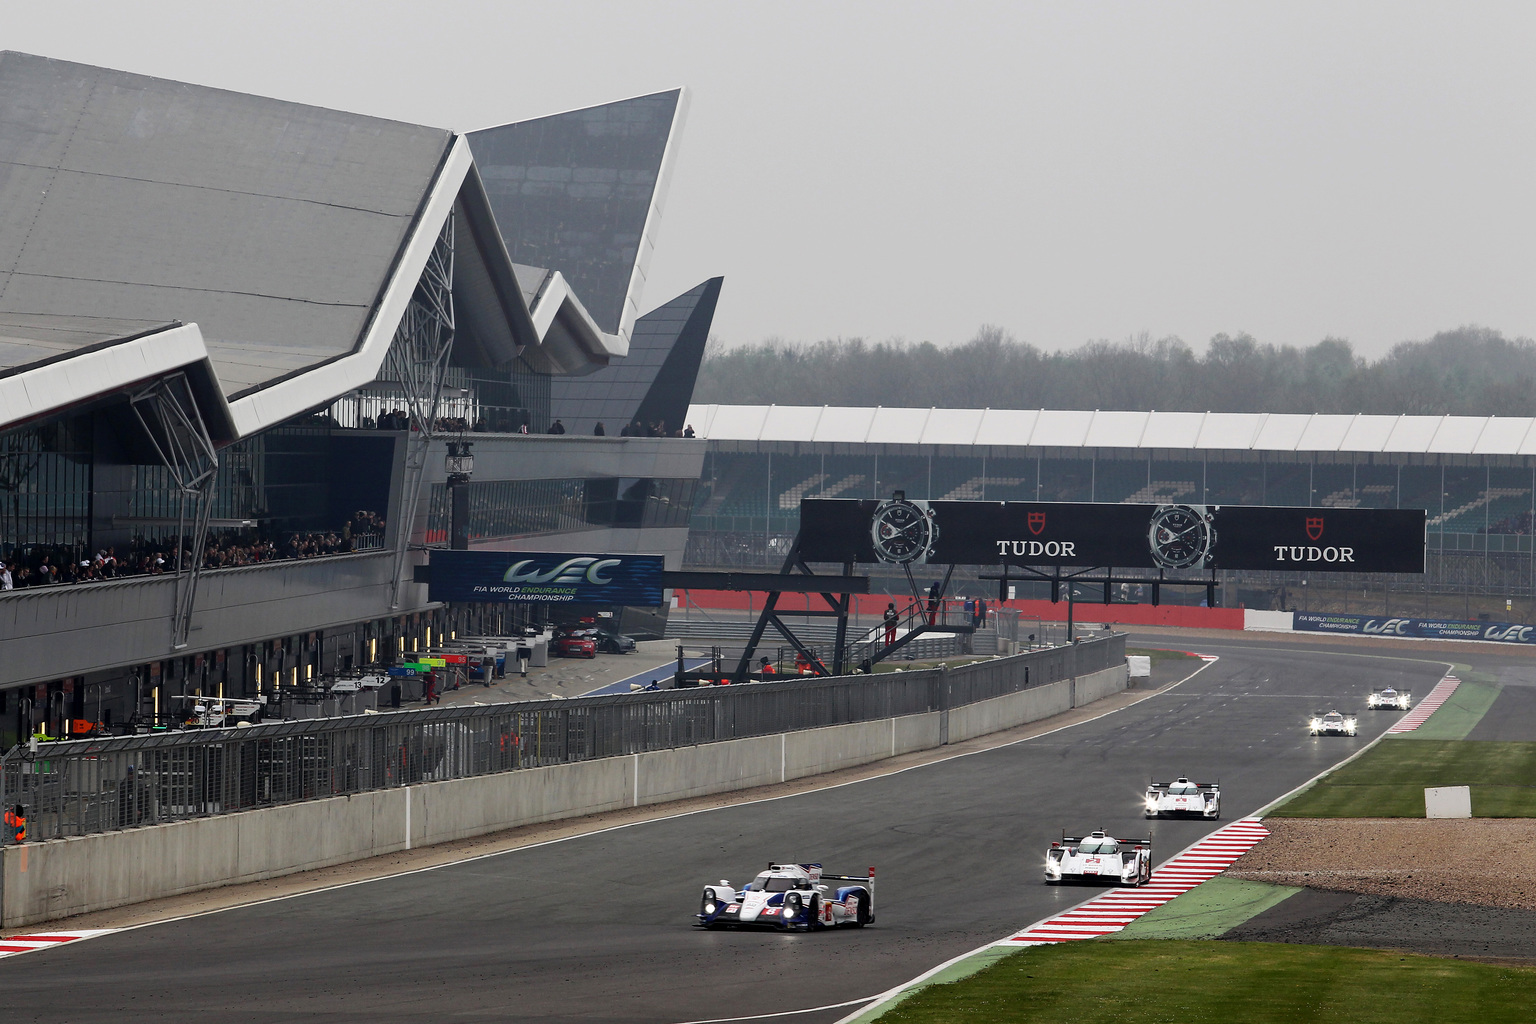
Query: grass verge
<point x="1454" y="719"/>
<point x="1198" y="981"/>
<point x="1208" y="911"/>
<point x="1388" y="781"/>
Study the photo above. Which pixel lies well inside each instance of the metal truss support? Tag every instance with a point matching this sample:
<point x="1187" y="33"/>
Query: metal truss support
<point x="418" y="360"/>
<point x="168" y="413"/>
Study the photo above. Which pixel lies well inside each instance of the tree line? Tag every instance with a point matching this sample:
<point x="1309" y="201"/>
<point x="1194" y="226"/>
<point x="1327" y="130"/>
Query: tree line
<point x="1470" y="371"/>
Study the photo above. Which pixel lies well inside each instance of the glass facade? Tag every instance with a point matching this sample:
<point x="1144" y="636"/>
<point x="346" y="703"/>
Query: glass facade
<point x="654" y="383"/>
<point x="45" y="487"/>
<point x="574" y="191"/>
<point x="511" y="509"/>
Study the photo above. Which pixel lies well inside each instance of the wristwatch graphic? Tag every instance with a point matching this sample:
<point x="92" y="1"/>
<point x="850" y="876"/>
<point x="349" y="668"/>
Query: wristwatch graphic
<point x="1182" y="536"/>
<point x="903" y="531"/>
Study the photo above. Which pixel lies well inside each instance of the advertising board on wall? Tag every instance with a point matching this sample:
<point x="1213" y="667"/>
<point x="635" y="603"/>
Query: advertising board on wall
<point x="539" y="577"/>
<point x="1426" y="629"/>
<point x="1168" y="536"/>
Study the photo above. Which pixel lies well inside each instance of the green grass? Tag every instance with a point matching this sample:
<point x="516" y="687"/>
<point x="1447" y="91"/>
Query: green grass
<point x="1388" y="781"/>
<point x="1192" y="982"/>
<point x="1207" y="911"/>
<point x="1454" y="719"/>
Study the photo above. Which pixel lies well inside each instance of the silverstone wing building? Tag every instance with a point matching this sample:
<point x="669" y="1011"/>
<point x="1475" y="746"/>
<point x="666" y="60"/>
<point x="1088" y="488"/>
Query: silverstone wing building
<point x="237" y="337"/>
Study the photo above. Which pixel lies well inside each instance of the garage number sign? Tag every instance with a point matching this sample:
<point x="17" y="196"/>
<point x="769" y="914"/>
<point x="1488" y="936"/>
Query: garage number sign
<point x="1169" y="536"/>
<point x="529" y="577"/>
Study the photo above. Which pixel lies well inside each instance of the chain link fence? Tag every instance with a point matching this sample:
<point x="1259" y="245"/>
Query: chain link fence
<point x="79" y="787"/>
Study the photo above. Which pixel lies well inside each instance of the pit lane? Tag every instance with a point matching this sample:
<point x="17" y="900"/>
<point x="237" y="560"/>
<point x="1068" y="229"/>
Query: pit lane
<point x="597" y="927"/>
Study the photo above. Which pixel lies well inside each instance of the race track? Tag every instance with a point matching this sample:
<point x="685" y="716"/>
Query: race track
<point x="597" y="928"/>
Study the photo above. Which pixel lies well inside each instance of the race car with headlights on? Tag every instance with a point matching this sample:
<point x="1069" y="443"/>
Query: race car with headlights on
<point x="1389" y="698"/>
<point x="1098" y="857"/>
<point x="1180" y="797"/>
<point x="790" y="897"/>
<point x="1333" y="723"/>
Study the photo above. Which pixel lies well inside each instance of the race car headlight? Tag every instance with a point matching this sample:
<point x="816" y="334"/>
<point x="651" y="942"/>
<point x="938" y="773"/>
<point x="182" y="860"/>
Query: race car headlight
<point x="1151" y="803"/>
<point x="710" y="907"/>
<point x="1317" y="723"/>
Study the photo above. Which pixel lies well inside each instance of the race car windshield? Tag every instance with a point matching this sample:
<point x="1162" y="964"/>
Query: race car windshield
<point x="765" y="883"/>
<point x="1334" y="717"/>
<point x="1098" y="846"/>
<point x="1183" y="787"/>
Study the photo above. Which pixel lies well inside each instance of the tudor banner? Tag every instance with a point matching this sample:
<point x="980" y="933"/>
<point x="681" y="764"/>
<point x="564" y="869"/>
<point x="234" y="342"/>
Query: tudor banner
<point x="522" y="576"/>
<point x="1192" y="537"/>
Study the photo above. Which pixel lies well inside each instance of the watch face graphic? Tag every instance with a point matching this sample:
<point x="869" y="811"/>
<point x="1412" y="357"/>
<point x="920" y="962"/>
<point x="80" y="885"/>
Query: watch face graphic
<point x="1182" y="536"/>
<point x="903" y="531"/>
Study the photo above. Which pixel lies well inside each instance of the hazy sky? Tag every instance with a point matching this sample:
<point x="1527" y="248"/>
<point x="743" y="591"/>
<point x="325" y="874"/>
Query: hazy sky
<point x="1067" y="171"/>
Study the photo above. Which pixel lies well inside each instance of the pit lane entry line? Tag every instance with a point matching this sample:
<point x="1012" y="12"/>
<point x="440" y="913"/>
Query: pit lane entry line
<point x="1426" y="707"/>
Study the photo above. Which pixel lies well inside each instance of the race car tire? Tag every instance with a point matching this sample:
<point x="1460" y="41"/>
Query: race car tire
<point x="862" y="915"/>
<point x="813" y="918"/>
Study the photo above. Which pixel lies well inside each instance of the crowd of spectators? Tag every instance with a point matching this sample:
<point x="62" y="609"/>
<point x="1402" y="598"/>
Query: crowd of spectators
<point x="1519" y="525"/>
<point x="39" y="565"/>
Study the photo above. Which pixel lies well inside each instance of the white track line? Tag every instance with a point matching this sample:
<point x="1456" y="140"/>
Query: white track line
<point x="1426" y="707"/>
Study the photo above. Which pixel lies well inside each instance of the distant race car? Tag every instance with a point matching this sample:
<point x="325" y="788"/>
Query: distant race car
<point x="790" y="897"/>
<point x="575" y="646"/>
<point x="1098" y="857"/>
<point x="1333" y="723"/>
<point x="1184" y="797"/>
<point x="1389" y="698"/>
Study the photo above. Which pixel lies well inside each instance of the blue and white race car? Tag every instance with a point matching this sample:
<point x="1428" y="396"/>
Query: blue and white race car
<point x="790" y="897"/>
<point x="1098" y="857"/>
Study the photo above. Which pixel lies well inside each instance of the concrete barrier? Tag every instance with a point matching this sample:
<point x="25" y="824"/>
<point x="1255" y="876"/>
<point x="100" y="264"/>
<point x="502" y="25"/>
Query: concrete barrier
<point x="63" y="877"/>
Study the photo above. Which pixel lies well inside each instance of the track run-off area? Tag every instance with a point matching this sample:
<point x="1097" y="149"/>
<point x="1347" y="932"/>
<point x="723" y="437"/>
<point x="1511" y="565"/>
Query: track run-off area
<point x="598" y="927"/>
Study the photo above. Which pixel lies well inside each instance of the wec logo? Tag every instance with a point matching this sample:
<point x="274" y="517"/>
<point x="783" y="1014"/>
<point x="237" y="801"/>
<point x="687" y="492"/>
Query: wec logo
<point x="1518" y="634"/>
<point x="1391" y="627"/>
<point x="572" y="570"/>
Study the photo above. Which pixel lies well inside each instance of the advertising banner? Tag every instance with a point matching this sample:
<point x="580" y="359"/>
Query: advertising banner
<point x="1426" y="629"/>
<point x="1170" y="536"/>
<point x="522" y="576"/>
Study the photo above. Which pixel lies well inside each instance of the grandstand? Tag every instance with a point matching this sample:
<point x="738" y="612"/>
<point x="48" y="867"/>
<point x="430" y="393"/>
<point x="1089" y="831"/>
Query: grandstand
<point x="1475" y="477"/>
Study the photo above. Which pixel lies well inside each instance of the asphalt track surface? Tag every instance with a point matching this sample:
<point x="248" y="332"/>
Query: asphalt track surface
<point x="598" y="927"/>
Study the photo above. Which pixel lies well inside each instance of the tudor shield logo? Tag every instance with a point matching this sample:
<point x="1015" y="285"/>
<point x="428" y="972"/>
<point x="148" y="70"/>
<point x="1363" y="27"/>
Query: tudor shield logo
<point x="1036" y="522"/>
<point x="1314" y="527"/>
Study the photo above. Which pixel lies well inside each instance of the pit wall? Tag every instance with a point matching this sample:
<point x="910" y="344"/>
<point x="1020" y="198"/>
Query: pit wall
<point x="63" y="877"/>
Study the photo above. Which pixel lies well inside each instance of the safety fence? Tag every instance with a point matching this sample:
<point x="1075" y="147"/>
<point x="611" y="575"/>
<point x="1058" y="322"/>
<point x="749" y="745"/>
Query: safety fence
<point x="79" y="787"/>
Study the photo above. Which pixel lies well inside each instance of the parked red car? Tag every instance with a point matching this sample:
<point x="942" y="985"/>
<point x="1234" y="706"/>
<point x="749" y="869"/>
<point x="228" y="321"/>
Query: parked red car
<point x="575" y="646"/>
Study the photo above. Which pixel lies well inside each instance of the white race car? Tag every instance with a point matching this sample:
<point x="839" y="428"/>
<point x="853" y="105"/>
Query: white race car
<point x="1184" y="797"/>
<point x="1389" y="698"/>
<point x="1098" y="857"/>
<point x="790" y="897"/>
<point x="1332" y="723"/>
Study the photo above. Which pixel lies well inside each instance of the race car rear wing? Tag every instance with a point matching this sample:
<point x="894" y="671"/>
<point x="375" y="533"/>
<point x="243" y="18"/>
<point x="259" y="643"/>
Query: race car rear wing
<point x="1066" y="839"/>
<point x="870" y="881"/>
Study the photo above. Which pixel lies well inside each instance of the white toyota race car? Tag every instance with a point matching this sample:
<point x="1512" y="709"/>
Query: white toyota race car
<point x="1389" y="698"/>
<point x="1097" y="857"/>
<point x="1179" y="797"/>
<point x="1332" y="723"/>
<point x="790" y="897"/>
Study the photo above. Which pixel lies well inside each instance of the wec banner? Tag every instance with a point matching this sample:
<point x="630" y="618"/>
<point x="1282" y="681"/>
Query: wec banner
<point x="522" y="576"/>
<point x="1426" y="629"/>
<point x="1171" y="536"/>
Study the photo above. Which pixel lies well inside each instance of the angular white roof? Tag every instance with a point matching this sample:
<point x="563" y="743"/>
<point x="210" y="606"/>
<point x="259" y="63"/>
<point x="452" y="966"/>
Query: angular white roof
<point x="1071" y="428"/>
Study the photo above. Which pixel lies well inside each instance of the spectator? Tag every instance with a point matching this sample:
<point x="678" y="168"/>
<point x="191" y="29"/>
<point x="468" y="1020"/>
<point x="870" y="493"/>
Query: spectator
<point x="598" y="430"/>
<point x="933" y="603"/>
<point x="688" y="430"/>
<point x="766" y="667"/>
<point x="624" y="430"/>
<point x="7" y="582"/>
<point x="981" y="614"/>
<point x="892" y="617"/>
<point x="557" y="427"/>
